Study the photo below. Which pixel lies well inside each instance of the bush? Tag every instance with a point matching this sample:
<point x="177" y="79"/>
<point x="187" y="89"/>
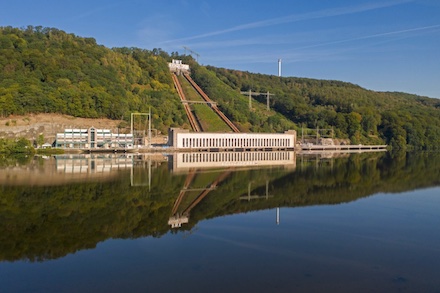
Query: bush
<point x="16" y="146"/>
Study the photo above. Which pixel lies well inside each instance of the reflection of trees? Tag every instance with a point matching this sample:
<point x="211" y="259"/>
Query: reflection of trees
<point x="18" y="159"/>
<point x="44" y="223"/>
<point x="38" y="223"/>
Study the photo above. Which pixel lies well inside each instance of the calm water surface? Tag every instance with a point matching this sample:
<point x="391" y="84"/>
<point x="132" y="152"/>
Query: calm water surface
<point x="358" y="223"/>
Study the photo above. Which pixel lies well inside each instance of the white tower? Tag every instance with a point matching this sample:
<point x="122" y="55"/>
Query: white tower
<point x="279" y="67"/>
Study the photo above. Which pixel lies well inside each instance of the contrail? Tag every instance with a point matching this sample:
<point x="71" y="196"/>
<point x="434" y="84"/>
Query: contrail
<point x="298" y="17"/>
<point x="289" y="57"/>
<point x="374" y="36"/>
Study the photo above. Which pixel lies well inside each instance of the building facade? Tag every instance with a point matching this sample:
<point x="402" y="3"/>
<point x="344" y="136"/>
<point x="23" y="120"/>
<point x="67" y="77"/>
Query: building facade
<point x="183" y="139"/>
<point x="178" y="66"/>
<point x="93" y="138"/>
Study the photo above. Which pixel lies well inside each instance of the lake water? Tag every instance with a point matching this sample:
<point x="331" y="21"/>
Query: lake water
<point x="164" y="223"/>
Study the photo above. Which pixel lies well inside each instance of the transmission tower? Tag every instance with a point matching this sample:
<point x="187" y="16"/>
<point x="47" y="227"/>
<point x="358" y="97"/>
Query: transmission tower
<point x="192" y="52"/>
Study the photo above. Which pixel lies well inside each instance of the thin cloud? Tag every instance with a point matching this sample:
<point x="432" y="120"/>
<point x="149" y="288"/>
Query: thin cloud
<point x="303" y="53"/>
<point x="298" y="17"/>
<point x="267" y="58"/>
<point x="267" y="40"/>
<point x="399" y="32"/>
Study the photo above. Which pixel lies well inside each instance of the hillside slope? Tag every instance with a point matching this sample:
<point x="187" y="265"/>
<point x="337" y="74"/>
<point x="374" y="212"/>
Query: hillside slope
<point x="46" y="70"/>
<point x="362" y="115"/>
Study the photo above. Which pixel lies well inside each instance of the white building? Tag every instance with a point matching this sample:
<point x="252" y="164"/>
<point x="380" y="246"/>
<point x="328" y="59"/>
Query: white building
<point x="93" y="138"/>
<point x="183" y="139"/>
<point x="178" y="66"/>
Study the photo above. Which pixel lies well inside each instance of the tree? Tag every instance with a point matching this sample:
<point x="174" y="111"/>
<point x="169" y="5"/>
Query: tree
<point x="40" y="140"/>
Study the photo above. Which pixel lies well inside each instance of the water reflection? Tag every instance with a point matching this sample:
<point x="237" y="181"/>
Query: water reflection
<point x="183" y="162"/>
<point x="61" y="169"/>
<point x="55" y="206"/>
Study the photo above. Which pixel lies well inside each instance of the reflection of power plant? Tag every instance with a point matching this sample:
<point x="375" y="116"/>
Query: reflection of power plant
<point x="186" y="161"/>
<point x="95" y="165"/>
<point x="192" y="162"/>
<point x="87" y="164"/>
<point x="143" y="164"/>
<point x="251" y="196"/>
<point x="266" y="196"/>
<point x="62" y="169"/>
<point x="180" y="215"/>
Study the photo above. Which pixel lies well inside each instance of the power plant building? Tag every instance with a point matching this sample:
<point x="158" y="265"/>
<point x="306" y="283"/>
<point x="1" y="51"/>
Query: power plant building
<point x="183" y="139"/>
<point x="93" y="138"/>
<point x="178" y="66"/>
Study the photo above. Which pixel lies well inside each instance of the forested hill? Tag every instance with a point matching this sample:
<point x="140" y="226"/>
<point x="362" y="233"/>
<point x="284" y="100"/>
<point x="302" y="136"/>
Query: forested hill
<point x="364" y="116"/>
<point x="48" y="70"/>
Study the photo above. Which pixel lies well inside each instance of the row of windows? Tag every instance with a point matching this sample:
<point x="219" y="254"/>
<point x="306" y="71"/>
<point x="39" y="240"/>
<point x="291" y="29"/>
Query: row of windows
<point x="85" y="140"/>
<point x="92" y="168"/>
<point x="85" y="135"/>
<point x="235" y="142"/>
<point x="236" y="157"/>
<point x="86" y="130"/>
<point x="85" y="144"/>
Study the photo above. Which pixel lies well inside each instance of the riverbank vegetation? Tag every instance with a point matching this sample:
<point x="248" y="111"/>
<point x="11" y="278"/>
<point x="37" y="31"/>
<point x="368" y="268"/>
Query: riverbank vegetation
<point x="17" y="148"/>
<point x="20" y="146"/>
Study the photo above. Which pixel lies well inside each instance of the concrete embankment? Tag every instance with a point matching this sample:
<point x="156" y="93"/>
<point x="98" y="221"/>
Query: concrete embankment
<point x="299" y="149"/>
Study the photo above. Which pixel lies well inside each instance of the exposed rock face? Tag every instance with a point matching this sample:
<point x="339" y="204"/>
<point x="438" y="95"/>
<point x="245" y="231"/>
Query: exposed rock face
<point x="32" y="126"/>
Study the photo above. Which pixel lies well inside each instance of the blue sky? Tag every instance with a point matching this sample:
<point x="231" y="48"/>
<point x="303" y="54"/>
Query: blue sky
<point x="384" y="45"/>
